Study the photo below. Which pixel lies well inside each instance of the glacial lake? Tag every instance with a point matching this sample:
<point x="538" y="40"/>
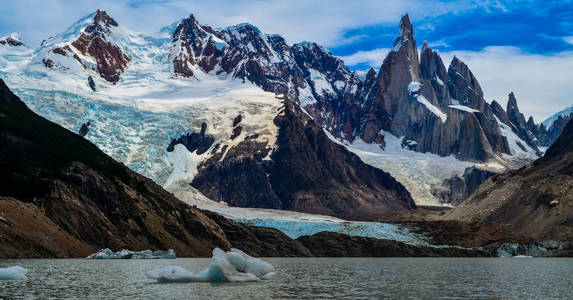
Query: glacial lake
<point x="301" y="278"/>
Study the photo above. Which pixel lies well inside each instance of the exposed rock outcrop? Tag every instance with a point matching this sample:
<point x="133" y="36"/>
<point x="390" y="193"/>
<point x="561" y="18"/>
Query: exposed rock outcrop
<point x="84" y="129"/>
<point x="12" y="39"/>
<point x="306" y="172"/>
<point x="194" y="141"/>
<point x="535" y="201"/>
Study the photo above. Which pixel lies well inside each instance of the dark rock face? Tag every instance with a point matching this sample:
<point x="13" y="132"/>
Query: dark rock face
<point x="534" y="201"/>
<point x="456" y="189"/>
<point x="12" y="40"/>
<point x="91" y="83"/>
<point x="194" y="141"/>
<point x="84" y="129"/>
<point x="548" y="137"/>
<point x="307" y="172"/>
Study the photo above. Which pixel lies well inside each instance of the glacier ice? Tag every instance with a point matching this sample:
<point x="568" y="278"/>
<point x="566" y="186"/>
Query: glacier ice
<point x="13" y="273"/>
<point x="126" y="254"/>
<point x="230" y="266"/>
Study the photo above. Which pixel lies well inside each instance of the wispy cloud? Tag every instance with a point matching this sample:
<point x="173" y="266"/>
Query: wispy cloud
<point x="297" y="20"/>
<point x="360" y="31"/>
<point x="372" y="58"/>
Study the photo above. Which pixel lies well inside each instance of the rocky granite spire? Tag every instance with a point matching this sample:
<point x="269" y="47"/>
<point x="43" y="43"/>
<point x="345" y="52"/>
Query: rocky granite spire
<point x="499" y="112"/>
<point x="433" y="71"/>
<point x="464" y="86"/>
<point x="518" y="123"/>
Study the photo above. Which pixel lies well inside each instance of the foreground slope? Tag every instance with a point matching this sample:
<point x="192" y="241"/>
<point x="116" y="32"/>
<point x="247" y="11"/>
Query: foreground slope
<point x="60" y="196"/>
<point x="536" y="201"/>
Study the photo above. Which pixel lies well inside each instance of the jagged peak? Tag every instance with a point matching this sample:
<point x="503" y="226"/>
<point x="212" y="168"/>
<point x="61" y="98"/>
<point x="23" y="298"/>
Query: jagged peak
<point x="405" y="35"/>
<point x="101" y="16"/>
<point x="371" y="72"/>
<point x="244" y="26"/>
<point x="456" y="61"/>
<point x="310" y="46"/>
<point x="512" y="103"/>
<point x="190" y="27"/>
<point x="193" y="19"/>
<point x="425" y="47"/>
<point x="405" y="26"/>
<point x="460" y="67"/>
<point x="495" y="103"/>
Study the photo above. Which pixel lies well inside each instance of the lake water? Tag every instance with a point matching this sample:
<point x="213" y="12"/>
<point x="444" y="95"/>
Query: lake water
<point x="302" y="278"/>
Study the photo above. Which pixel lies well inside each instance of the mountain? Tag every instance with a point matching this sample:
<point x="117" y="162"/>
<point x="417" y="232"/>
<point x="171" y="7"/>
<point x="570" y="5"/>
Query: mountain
<point x="12" y="39"/>
<point x="550" y="129"/>
<point x="200" y="105"/>
<point x="536" y="201"/>
<point x="95" y="48"/>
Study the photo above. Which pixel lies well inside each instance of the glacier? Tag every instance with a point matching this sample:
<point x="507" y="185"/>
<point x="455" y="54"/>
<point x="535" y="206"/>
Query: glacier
<point x="230" y="266"/>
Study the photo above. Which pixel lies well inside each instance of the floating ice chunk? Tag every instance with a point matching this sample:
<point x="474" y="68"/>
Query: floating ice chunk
<point x="126" y="254"/>
<point x="249" y="264"/>
<point x="13" y="273"/>
<point x="232" y="266"/>
<point x="170" y="274"/>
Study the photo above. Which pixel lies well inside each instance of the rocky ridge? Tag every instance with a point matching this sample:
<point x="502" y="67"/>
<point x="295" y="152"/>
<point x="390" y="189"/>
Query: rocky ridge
<point x="535" y="201"/>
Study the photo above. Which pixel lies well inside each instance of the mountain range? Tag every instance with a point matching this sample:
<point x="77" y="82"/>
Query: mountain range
<point x="251" y="121"/>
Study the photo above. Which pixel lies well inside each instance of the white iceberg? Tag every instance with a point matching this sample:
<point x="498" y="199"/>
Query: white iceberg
<point x="231" y="266"/>
<point x="13" y="273"/>
<point x="126" y="254"/>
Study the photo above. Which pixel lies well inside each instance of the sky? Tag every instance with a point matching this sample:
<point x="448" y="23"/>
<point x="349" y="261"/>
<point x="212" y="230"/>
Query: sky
<point x="520" y="46"/>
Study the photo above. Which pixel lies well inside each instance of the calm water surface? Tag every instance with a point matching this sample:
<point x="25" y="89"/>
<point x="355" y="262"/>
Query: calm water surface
<point x="303" y="278"/>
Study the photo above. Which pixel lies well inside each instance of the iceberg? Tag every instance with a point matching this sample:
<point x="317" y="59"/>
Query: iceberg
<point x="126" y="254"/>
<point x="13" y="273"/>
<point x="230" y="266"/>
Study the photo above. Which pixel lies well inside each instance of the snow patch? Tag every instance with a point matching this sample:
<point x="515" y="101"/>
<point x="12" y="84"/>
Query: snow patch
<point x="464" y="108"/>
<point x="518" y="147"/>
<point x="319" y="82"/>
<point x="436" y="111"/>
<point x="416" y="171"/>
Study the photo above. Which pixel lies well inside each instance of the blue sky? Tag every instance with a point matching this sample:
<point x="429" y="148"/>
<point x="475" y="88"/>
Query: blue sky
<point x="520" y="46"/>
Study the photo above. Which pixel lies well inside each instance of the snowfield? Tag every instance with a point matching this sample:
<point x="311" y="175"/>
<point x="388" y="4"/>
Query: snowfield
<point x="416" y="171"/>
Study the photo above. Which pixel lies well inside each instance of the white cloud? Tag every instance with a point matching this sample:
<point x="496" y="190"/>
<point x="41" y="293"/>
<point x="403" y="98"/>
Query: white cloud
<point x="541" y="83"/>
<point x="373" y="58"/>
<point x="297" y="20"/>
<point x="568" y="39"/>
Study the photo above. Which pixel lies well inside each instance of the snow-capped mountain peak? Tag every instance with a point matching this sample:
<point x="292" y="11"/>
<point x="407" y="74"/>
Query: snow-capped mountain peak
<point x="13" y="39"/>
<point x="93" y="44"/>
